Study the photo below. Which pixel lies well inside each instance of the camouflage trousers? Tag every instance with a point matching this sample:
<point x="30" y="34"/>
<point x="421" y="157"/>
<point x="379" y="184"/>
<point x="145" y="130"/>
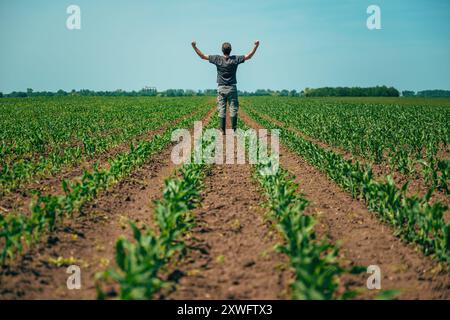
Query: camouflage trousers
<point x="227" y="94"/>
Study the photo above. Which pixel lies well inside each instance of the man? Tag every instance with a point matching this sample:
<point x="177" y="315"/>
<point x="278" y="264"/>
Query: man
<point x="226" y="80"/>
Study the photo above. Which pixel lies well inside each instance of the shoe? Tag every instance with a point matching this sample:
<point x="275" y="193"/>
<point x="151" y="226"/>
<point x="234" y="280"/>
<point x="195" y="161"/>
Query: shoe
<point x="234" y="123"/>
<point x="223" y="125"/>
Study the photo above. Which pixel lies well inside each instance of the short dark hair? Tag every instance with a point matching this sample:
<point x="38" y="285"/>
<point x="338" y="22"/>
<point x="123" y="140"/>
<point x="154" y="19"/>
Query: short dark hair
<point x="226" y="48"/>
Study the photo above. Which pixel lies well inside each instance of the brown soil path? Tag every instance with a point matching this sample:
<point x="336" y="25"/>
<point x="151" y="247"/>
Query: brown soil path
<point x="232" y="255"/>
<point x="365" y="240"/>
<point x="90" y="237"/>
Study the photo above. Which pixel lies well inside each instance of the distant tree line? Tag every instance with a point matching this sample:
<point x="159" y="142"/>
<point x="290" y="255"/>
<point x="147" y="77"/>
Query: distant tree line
<point x="427" y="93"/>
<point x="187" y="93"/>
<point x="378" y="91"/>
<point x="83" y="92"/>
<point x="145" y="92"/>
<point x="117" y="93"/>
<point x="268" y="92"/>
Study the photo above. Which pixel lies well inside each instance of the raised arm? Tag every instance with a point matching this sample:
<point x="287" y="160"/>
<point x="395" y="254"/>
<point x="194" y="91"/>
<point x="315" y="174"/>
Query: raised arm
<point x="251" y="53"/>
<point x="197" y="50"/>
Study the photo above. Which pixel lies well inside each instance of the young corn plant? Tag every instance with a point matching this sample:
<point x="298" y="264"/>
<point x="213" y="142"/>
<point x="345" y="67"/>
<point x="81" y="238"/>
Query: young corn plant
<point x="138" y="265"/>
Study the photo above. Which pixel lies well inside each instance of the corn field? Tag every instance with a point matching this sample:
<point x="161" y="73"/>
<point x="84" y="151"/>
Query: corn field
<point x="89" y="181"/>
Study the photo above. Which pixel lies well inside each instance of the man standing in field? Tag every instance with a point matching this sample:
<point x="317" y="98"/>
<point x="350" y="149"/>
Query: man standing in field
<point x="226" y="80"/>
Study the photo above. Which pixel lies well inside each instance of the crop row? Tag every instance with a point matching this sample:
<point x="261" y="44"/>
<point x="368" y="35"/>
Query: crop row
<point x="19" y="231"/>
<point x="414" y="218"/>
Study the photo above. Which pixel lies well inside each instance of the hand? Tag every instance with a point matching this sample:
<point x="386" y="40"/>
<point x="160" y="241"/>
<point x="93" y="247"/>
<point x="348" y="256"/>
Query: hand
<point x="194" y="44"/>
<point x="257" y="43"/>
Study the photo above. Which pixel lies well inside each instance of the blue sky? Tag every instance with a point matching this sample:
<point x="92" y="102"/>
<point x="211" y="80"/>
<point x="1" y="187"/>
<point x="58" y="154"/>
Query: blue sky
<point x="311" y="43"/>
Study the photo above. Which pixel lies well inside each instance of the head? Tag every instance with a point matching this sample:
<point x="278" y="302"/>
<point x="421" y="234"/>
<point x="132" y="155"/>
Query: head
<point x="226" y="48"/>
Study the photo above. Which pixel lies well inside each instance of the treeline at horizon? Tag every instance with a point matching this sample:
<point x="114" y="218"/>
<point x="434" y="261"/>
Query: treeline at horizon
<point x="378" y="91"/>
<point x="427" y="93"/>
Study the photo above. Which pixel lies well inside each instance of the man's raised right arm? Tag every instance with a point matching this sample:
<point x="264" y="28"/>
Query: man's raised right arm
<point x="197" y="50"/>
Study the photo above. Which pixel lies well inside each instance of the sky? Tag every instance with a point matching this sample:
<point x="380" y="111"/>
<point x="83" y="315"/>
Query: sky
<point x="129" y="44"/>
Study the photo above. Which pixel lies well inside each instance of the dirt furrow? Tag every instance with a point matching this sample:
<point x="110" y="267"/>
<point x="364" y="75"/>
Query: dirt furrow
<point x="364" y="239"/>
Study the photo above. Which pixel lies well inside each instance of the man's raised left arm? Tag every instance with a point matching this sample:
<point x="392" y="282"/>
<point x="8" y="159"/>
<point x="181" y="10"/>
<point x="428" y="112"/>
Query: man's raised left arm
<point x="251" y="53"/>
